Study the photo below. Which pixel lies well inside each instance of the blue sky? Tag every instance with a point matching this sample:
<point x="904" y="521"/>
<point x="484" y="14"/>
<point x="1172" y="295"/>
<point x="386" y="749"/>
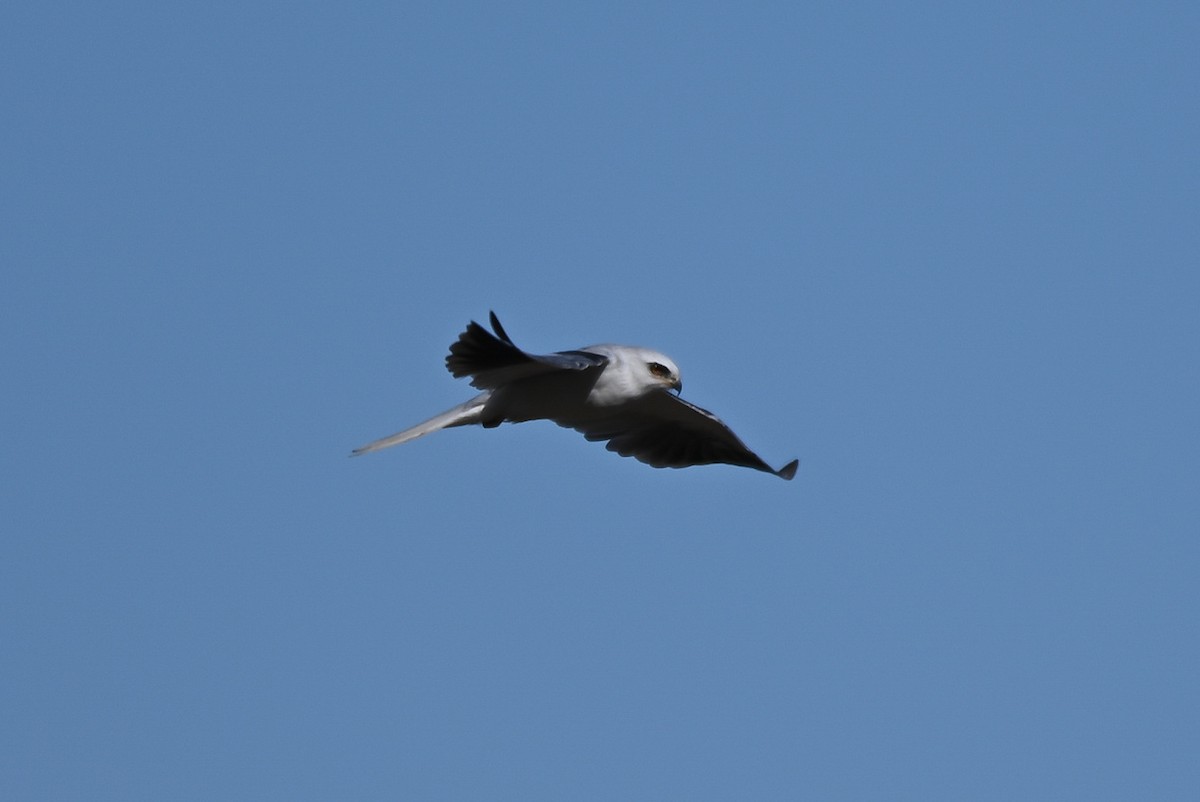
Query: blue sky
<point x="946" y="254"/>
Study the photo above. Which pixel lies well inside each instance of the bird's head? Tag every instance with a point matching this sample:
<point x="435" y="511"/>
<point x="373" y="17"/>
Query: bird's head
<point x="661" y="371"/>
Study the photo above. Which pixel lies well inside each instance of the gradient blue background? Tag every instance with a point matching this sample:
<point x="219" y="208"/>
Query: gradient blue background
<point x="946" y="254"/>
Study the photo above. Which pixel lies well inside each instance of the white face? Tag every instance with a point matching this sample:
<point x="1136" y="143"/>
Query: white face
<point x="662" y="370"/>
<point x="631" y="372"/>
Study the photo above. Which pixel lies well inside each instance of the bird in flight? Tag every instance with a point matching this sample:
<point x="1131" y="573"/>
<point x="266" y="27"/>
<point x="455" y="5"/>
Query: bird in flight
<point x="618" y="393"/>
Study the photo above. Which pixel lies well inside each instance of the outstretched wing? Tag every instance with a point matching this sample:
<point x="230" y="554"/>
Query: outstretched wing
<point x="492" y="360"/>
<point x="663" y="430"/>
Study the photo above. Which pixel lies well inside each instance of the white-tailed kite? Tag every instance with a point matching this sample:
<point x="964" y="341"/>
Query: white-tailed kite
<point x="618" y="393"/>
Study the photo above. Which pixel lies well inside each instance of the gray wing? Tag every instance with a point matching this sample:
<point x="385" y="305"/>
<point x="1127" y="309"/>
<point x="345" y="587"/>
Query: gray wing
<point x="493" y="360"/>
<point x="665" y="431"/>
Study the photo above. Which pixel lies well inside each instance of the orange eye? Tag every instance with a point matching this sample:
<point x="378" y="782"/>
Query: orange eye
<point x="659" y="370"/>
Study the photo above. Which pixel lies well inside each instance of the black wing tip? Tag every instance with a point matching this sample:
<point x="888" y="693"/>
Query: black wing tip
<point x="496" y="327"/>
<point x="789" y="470"/>
<point x="477" y="349"/>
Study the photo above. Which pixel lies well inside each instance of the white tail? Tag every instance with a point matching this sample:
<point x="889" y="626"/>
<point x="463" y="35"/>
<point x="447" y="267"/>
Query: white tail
<point x="462" y="415"/>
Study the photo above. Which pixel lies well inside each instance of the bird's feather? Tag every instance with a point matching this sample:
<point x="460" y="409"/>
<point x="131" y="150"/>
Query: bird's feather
<point x="464" y="414"/>
<point x="492" y="360"/>
<point x="665" y="431"/>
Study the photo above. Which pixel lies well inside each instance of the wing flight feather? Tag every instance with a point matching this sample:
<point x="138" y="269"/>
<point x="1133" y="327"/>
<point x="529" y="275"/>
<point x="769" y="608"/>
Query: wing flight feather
<point x="665" y="431"/>
<point x="492" y="360"/>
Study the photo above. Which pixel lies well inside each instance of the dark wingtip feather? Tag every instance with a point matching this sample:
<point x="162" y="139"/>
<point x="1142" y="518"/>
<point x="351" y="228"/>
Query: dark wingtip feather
<point x="789" y="470"/>
<point x="477" y="351"/>
<point x="496" y="327"/>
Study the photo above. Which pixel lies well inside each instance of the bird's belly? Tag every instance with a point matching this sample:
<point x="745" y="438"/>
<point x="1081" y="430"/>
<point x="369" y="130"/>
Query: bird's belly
<point x="559" y="397"/>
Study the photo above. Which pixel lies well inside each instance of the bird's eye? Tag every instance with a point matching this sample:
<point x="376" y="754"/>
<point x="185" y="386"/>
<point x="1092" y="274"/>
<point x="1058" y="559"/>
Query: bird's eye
<point x="659" y="370"/>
